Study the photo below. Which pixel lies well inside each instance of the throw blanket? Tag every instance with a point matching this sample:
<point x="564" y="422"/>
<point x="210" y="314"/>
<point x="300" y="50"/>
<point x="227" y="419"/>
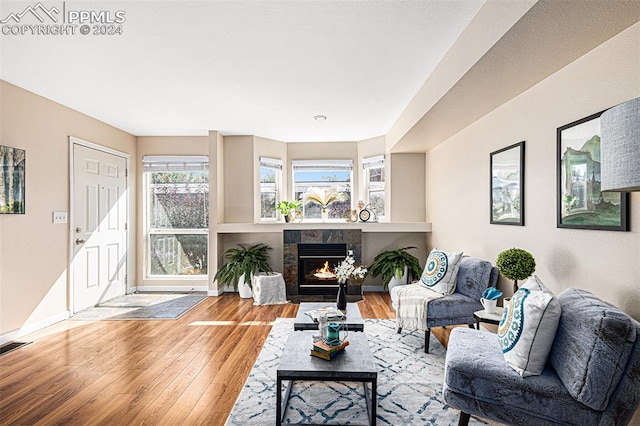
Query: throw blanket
<point x="413" y="300"/>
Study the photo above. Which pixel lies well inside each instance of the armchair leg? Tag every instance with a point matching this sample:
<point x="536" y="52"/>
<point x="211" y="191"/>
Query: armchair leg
<point x="463" y="420"/>
<point x="471" y="326"/>
<point x="399" y="330"/>
<point x="427" y="338"/>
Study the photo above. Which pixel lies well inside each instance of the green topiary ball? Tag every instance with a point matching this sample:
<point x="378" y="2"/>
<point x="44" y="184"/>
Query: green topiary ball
<point x="516" y="264"/>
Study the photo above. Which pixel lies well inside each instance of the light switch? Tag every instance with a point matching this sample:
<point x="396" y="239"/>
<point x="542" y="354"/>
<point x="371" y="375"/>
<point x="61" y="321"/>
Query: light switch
<point x="59" y="217"/>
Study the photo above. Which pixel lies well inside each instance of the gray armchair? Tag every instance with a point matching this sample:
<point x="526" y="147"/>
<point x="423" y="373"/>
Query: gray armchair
<point x="474" y="276"/>
<point x="592" y="377"/>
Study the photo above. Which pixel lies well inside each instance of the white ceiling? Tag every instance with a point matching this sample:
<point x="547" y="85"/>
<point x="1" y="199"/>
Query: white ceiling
<point x="242" y="67"/>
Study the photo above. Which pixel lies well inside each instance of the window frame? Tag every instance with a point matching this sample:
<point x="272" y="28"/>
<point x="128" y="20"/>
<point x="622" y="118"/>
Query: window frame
<point x="322" y="165"/>
<point x="369" y="163"/>
<point x="155" y="162"/>
<point x="275" y="164"/>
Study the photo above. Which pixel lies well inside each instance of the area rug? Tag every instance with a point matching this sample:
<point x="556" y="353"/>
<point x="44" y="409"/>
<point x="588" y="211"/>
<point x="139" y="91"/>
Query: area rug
<point x="141" y="306"/>
<point x="409" y="385"/>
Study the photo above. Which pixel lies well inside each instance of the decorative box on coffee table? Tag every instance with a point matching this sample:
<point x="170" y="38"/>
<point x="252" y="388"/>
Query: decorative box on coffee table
<point x="353" y="322"/>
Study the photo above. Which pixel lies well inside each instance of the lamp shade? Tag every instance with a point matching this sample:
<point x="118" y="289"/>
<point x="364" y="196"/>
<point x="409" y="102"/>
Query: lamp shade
<point x="620" y="147"/>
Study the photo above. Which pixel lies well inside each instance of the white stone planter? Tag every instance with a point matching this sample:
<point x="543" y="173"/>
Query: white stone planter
<point x="394" y="282"/>
<point x="244" y="290"/>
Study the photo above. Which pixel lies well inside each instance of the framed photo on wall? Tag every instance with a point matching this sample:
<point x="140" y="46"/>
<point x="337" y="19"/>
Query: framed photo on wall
<point x="580" y="203"/>
<point x="12" y="177"/>
<point x="506" y="197"/>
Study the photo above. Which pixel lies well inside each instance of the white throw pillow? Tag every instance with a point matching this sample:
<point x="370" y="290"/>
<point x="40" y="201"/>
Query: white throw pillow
<point x="441" y="271"/>
<point x="528" y="327"/>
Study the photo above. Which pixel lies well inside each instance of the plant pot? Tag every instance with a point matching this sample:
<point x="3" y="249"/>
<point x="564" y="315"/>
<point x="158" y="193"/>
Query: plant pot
<point x="287" y="218"/>
<point x="244" y="290"/>
<point x="394" y="282"/>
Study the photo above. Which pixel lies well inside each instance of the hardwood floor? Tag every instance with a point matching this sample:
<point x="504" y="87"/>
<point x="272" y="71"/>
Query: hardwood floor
<point x="187" y="371"/>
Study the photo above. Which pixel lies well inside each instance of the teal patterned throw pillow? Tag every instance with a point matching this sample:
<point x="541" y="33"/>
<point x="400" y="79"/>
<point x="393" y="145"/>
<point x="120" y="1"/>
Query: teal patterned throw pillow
<point x="441" y="271"/>
<point x="528" y="327"/>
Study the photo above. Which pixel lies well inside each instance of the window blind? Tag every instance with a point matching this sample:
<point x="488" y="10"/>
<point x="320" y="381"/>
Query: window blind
<point x="170" y="163"/>
<point x="321" y="165"/>
<point x="273" y="163"/>
<point x="373" y="162"/>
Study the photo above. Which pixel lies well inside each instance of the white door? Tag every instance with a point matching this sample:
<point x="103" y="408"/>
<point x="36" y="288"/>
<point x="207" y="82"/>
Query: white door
<point x="99" y="229"/>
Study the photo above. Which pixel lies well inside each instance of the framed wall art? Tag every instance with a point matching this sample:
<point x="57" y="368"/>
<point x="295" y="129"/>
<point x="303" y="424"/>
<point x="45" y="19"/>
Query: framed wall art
<point x="580" y="203"/>
<point x="12" y="177"/>
<point x="507" y="185"/>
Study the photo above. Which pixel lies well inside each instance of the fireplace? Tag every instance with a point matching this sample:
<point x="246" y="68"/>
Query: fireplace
<point x="316" y="263"/>
<point x="318" y="246"/>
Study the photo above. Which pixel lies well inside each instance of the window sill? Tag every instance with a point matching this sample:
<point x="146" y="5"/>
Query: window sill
<point x="242" y="228"/>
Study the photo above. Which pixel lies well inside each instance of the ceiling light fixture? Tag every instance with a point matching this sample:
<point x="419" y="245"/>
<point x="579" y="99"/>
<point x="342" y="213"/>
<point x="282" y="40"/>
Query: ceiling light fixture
<point x="319" y="117"/>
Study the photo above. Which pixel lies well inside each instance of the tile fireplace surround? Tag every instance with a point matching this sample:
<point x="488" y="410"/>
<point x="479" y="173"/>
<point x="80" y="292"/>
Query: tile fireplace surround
<point x="291" y="238"/>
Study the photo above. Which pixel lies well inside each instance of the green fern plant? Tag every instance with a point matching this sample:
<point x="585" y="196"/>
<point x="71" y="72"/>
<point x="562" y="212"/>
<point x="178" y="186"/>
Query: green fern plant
<point x="243" y="260"/>
<point x="391" y="263"/>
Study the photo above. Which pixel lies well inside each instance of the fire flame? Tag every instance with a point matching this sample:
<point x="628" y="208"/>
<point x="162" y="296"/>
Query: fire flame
<point x="324" y="270"/>
<point x="324" y="273"/>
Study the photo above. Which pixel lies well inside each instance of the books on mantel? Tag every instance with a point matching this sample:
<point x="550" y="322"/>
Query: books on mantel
<point x="332" y="313"/>
<point x="325" y="351"/>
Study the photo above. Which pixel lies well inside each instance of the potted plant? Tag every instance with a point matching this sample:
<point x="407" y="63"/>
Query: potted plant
<point x="242" y="263"/>
<point x="287" y="207"/>
<point x="394" y="266"/>
<point x="516" y="264"/>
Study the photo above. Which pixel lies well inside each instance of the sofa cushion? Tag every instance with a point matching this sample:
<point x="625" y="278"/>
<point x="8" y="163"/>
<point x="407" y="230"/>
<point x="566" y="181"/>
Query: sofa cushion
<point x="476" y="378"/>
<point x="528" y="327"/>
<point x="474" y="276"/>
<point x="441" y="271"/>
<point x="592" y="347"/>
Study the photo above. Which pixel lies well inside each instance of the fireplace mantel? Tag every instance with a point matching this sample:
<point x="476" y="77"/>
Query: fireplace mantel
<point x="278" y="227"/>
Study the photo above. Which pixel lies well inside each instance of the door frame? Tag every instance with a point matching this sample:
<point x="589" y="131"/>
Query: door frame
<point x="77" y="141"/>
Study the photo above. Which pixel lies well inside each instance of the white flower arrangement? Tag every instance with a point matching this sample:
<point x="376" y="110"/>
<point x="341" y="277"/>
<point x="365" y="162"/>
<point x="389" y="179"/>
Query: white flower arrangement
<point x="348" y="269"/>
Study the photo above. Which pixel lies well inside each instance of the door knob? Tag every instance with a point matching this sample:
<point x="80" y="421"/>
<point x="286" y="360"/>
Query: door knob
<point x="80" y="241"/>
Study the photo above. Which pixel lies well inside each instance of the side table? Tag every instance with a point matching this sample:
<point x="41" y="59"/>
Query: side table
<point x="484" y="316"/>
<point x="269" y="289"/>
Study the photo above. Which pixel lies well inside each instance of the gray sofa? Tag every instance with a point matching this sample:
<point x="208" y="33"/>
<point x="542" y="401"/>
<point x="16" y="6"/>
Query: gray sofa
<point x="474" y="276"/>
<point x="592" y="376"/>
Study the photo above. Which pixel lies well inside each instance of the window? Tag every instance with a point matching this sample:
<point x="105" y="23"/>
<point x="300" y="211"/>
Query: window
<point x="270" y="184"/>
<point x="323" y="174"/>
<point x="374" y="183"/>
<point x="176" y="215"/>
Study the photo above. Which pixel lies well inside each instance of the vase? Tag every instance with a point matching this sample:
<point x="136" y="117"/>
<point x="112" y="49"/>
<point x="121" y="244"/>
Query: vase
<point x="244" y="290"/>
<point x="394" y="281"/>
<point x="325" y="214"/>
<point x="341" y="300"/>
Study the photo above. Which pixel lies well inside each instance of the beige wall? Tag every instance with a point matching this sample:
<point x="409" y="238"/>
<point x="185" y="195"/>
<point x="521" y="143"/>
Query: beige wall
<point x="163" y="145"/>
<point x="407" y="187"/>
<point x="238" y="179"/>
<point x="606" y="263"/>
<point x="33" y="250"/>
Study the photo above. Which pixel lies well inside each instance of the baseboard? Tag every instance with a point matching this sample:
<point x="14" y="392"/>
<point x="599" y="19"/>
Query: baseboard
<point x="32" y="328"/>
<point x="171" y="289"/>
<point x="372" y="288"/>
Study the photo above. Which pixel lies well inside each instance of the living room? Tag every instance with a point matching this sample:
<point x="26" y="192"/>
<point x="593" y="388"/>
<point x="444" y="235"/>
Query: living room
<point x="490" y="91"/>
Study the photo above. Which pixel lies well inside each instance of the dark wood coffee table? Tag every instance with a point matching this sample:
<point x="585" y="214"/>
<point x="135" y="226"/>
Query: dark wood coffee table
<point x="356" y="364"/>
<point x="354" y="321"/>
